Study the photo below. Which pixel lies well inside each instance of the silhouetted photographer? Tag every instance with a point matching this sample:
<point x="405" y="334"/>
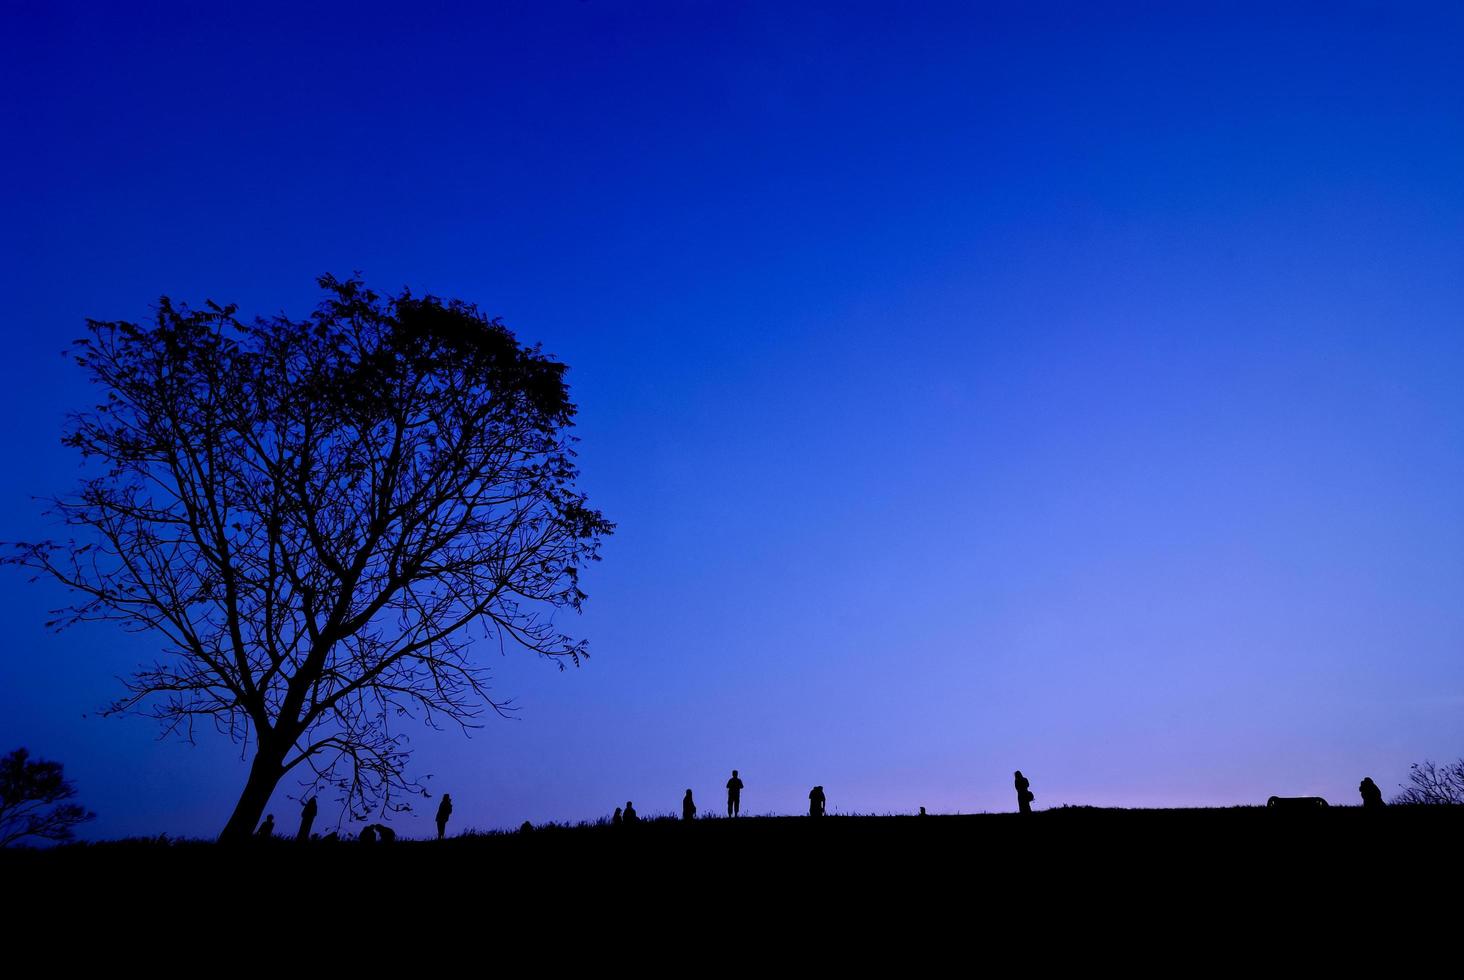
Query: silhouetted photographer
<point x="734" y="795"/>
<point x="307" y="818"/>
<point x="444" y="810"/>
<point x="1024" y="793"/>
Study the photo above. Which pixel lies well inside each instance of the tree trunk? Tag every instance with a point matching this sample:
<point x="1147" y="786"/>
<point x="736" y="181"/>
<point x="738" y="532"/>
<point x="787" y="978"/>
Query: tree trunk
<point x="264" y="775"/>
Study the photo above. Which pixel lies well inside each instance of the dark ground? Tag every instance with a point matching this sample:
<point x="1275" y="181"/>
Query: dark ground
<point x="1237" y="885"/>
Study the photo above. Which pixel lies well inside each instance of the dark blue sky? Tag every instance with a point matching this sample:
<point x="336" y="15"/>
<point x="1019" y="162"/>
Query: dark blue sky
<point x="975" y="388"/>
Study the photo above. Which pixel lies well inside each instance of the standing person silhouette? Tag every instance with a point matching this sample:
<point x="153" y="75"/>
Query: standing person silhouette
<point x="615" y="820"/>
<point x="688" y="808"/>
<point x="266" y="829"/>
<point x="816" y="802"/>
<point x="630" y="815"/>
<point x="444" y="810"/>
<point x="307" y="818"/>
<point x="734" y="795"/>
<point x="1024" y="794"/>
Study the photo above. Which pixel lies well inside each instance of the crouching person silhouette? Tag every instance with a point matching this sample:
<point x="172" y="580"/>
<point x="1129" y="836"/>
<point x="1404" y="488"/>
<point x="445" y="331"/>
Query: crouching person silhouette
<point x="1371" y="796"/>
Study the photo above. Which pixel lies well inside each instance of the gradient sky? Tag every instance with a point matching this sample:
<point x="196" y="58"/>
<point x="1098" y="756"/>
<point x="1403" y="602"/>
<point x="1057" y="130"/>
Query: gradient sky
<point x="975" y="387"/>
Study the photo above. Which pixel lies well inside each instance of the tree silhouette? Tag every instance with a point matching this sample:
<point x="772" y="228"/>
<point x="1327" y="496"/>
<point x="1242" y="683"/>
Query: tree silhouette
<point x="316" y="517"/>
<point x="1434" y="784"/>
<point x="29" y="796"/>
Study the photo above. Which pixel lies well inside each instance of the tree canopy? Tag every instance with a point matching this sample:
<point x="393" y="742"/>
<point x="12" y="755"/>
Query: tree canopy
<point x="317" y="517"/>
<point x="31" y="800"/>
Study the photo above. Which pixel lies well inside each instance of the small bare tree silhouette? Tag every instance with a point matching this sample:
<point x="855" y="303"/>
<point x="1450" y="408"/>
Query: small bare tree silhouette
<point x="1434" y="784"/>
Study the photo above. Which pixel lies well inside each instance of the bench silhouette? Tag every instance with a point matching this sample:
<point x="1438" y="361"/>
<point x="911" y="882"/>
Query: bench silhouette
<point x="1296" y="803"/>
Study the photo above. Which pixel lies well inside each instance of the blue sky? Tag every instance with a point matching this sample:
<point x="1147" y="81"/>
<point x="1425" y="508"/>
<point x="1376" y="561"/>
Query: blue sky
<point x="975" y="387"/>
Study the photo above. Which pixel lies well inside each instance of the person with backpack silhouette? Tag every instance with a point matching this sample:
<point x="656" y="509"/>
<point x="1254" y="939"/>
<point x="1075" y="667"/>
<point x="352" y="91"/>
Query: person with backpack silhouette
<point x="307" y="818"/>
<point x="688" y="808"/>
<point x="1024" y="793"/>
<point x="734" y="795"/>
<point x="816" y="802"/>
<point x="444" y="810"/>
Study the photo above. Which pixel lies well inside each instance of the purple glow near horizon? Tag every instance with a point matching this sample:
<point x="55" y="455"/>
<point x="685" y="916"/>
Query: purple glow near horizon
<point x="973" y="389"/>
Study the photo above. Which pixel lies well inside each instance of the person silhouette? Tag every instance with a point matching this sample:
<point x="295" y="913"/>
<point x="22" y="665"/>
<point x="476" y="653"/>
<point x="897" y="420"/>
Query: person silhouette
<point x="1024" y="794"/>
<point x="266" y="829"/>
<point x="734" y="795"/>
<point x="1371" y="795"/>
<point x="630" y="816"/>
<point x="816" y="802"/>
<point x="444" y="810"/>
<point x="615" y="820"/>
<point x="922" y="811"/>
<point x="688" y="808"/>
<point x="307" y="818"/>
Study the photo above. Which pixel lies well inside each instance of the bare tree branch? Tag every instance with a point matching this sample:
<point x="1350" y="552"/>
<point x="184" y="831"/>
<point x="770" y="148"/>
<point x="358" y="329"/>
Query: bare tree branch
<point x="1434" y="784"/>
